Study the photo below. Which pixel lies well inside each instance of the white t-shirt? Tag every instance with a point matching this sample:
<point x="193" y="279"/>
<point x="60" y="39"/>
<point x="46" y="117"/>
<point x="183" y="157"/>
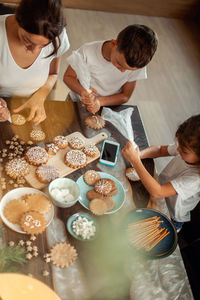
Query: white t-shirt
<point x="16" y="81"/>
<point x="185" y="179"/>
<point x="105" y="77"/>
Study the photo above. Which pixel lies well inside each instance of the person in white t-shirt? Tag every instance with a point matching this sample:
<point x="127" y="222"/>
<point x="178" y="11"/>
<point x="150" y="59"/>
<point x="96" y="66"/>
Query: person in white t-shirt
<point x="32" y="41"/>
<point x="179" y="182"/>
<point x="114" y="67"/>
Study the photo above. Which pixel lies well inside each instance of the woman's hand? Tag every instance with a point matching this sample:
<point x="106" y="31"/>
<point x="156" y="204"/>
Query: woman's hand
<point x="131" y="153"/>
<point x="37" y="112"/>
<point x="4" y="111"/>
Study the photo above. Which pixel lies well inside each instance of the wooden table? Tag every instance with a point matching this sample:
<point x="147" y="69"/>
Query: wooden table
<point x="99" y="271"/>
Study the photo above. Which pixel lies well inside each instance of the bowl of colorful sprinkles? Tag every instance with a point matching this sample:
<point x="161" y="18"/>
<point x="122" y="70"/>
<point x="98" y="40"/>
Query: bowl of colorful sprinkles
<point x="82" y="226"/>
<point x="150" y="233"/>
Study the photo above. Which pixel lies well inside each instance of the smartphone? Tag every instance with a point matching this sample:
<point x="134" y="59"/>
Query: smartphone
<point x="109" y="152"/>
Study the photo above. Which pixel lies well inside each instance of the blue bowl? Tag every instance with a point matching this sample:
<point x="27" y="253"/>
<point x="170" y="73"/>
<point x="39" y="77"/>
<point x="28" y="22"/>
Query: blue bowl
<point x="166" y="246"/>
<point x="73" y="218"/>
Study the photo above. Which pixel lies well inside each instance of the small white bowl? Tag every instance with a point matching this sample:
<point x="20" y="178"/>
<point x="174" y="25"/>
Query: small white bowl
<point x="58" y="189"/>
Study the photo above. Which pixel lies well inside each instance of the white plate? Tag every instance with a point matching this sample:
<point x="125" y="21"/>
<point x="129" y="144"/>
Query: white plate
<point x="16" y="194"/>
<point x="119" y="198"/>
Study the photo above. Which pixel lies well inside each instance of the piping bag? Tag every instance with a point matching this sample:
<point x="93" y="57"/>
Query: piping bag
<point x="121" y="120"/>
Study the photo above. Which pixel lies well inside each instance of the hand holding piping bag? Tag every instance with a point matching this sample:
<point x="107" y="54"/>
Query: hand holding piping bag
<point x="94" y="107"/>
<point x="131" y="152"/>
<point x="90" y="99"/>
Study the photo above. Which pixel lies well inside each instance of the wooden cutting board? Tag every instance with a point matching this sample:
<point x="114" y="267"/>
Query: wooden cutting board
<point x="58" y="159"/>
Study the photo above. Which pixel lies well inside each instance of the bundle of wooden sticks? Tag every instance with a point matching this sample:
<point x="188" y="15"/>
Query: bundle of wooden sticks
<point x="146" y="233"/>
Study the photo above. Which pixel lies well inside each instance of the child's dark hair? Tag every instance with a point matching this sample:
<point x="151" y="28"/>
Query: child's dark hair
<point x="42" y="17"/>
<point x="188" y="134"/>
<point x="138" y="43"/>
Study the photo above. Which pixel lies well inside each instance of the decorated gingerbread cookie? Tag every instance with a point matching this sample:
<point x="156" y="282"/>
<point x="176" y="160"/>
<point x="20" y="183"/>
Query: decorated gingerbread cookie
<point x="17" y="167"/>
<point x="46" y="173"/>
<point x="91" y="150"/>
<point x="37" y="135"/>
<point x="106" y="187"/>
<point x="33" y="222"/>
<point x="95" y="122"/>
<point x="75" y="159"/>
<point x="91" y="177"/>
<point x="36" y="156"/>
<point x="76" y="143"/>
<point x="61" y="141"/>
<point x="18" y="119"/>
<point x="51" y="148"/>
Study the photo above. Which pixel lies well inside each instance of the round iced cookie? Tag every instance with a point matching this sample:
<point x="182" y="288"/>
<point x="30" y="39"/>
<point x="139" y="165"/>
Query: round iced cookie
<point x="46" y="173"/>
<point x="17" y="167"/>
<point x="91" y="150"/>
<point x="95" y="122"/>
<point x="91" y="177"/>
<point x="36" y="156"/>
<point x="75" y="159"/>
<point x="33" y="222"/>
<point x="18" y="119"/>
<point x="51" y="148"/>
<point x="60" y="141"/>
<point x="106" y="187"/>
<point x="37" y="135"/>
<point x="76" y="143"/>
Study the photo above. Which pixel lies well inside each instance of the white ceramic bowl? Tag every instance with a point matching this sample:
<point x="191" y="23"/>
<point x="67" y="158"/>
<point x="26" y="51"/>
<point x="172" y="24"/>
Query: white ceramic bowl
<point x="16" y="194"/>
<point x="64" y="192"/>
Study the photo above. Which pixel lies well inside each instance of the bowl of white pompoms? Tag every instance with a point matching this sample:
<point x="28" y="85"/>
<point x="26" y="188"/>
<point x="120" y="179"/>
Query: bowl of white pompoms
<point x="82" y="226"/>
<point x="64" y="192"/>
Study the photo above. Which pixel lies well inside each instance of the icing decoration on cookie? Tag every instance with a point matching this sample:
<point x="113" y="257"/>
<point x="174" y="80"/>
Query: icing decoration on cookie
<point x="75" y="159"/>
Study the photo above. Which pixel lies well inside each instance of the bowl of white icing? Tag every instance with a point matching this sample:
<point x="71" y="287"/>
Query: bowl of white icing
<point x="64" y="192"/>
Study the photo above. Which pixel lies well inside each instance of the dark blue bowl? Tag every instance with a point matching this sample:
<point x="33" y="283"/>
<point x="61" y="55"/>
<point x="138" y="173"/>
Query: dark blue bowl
<point x="166" y="246"/>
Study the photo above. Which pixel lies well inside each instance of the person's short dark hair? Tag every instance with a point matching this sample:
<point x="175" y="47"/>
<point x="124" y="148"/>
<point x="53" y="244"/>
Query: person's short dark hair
<point x="138" y="43"/>
<point x="42" y="17"/>
<point x="188" y="134"/>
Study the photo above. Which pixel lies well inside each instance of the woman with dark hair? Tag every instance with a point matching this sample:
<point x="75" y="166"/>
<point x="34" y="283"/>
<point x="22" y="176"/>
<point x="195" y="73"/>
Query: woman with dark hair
<point x="32" y="42"/>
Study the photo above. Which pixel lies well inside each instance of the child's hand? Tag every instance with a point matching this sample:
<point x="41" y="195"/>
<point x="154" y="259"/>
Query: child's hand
<point x="94" y="107"/>
<point x="88" y="98"/>
<point x="131" y="153"/>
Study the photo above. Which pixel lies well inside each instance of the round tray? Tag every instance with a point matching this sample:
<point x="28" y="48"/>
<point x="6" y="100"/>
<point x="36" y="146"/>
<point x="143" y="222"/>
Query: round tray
<point x="167" y="245"/>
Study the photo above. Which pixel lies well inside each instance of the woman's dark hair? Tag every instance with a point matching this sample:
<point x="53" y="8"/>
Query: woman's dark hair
<point x="188" y="134"/>
<point x="42" y="17"/>
<point x="138" y="43"/>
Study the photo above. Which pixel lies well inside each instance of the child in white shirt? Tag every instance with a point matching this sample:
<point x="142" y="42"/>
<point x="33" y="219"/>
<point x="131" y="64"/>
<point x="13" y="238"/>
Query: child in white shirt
<point x="179" y="182"/>
<point x="114" y="67"/>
